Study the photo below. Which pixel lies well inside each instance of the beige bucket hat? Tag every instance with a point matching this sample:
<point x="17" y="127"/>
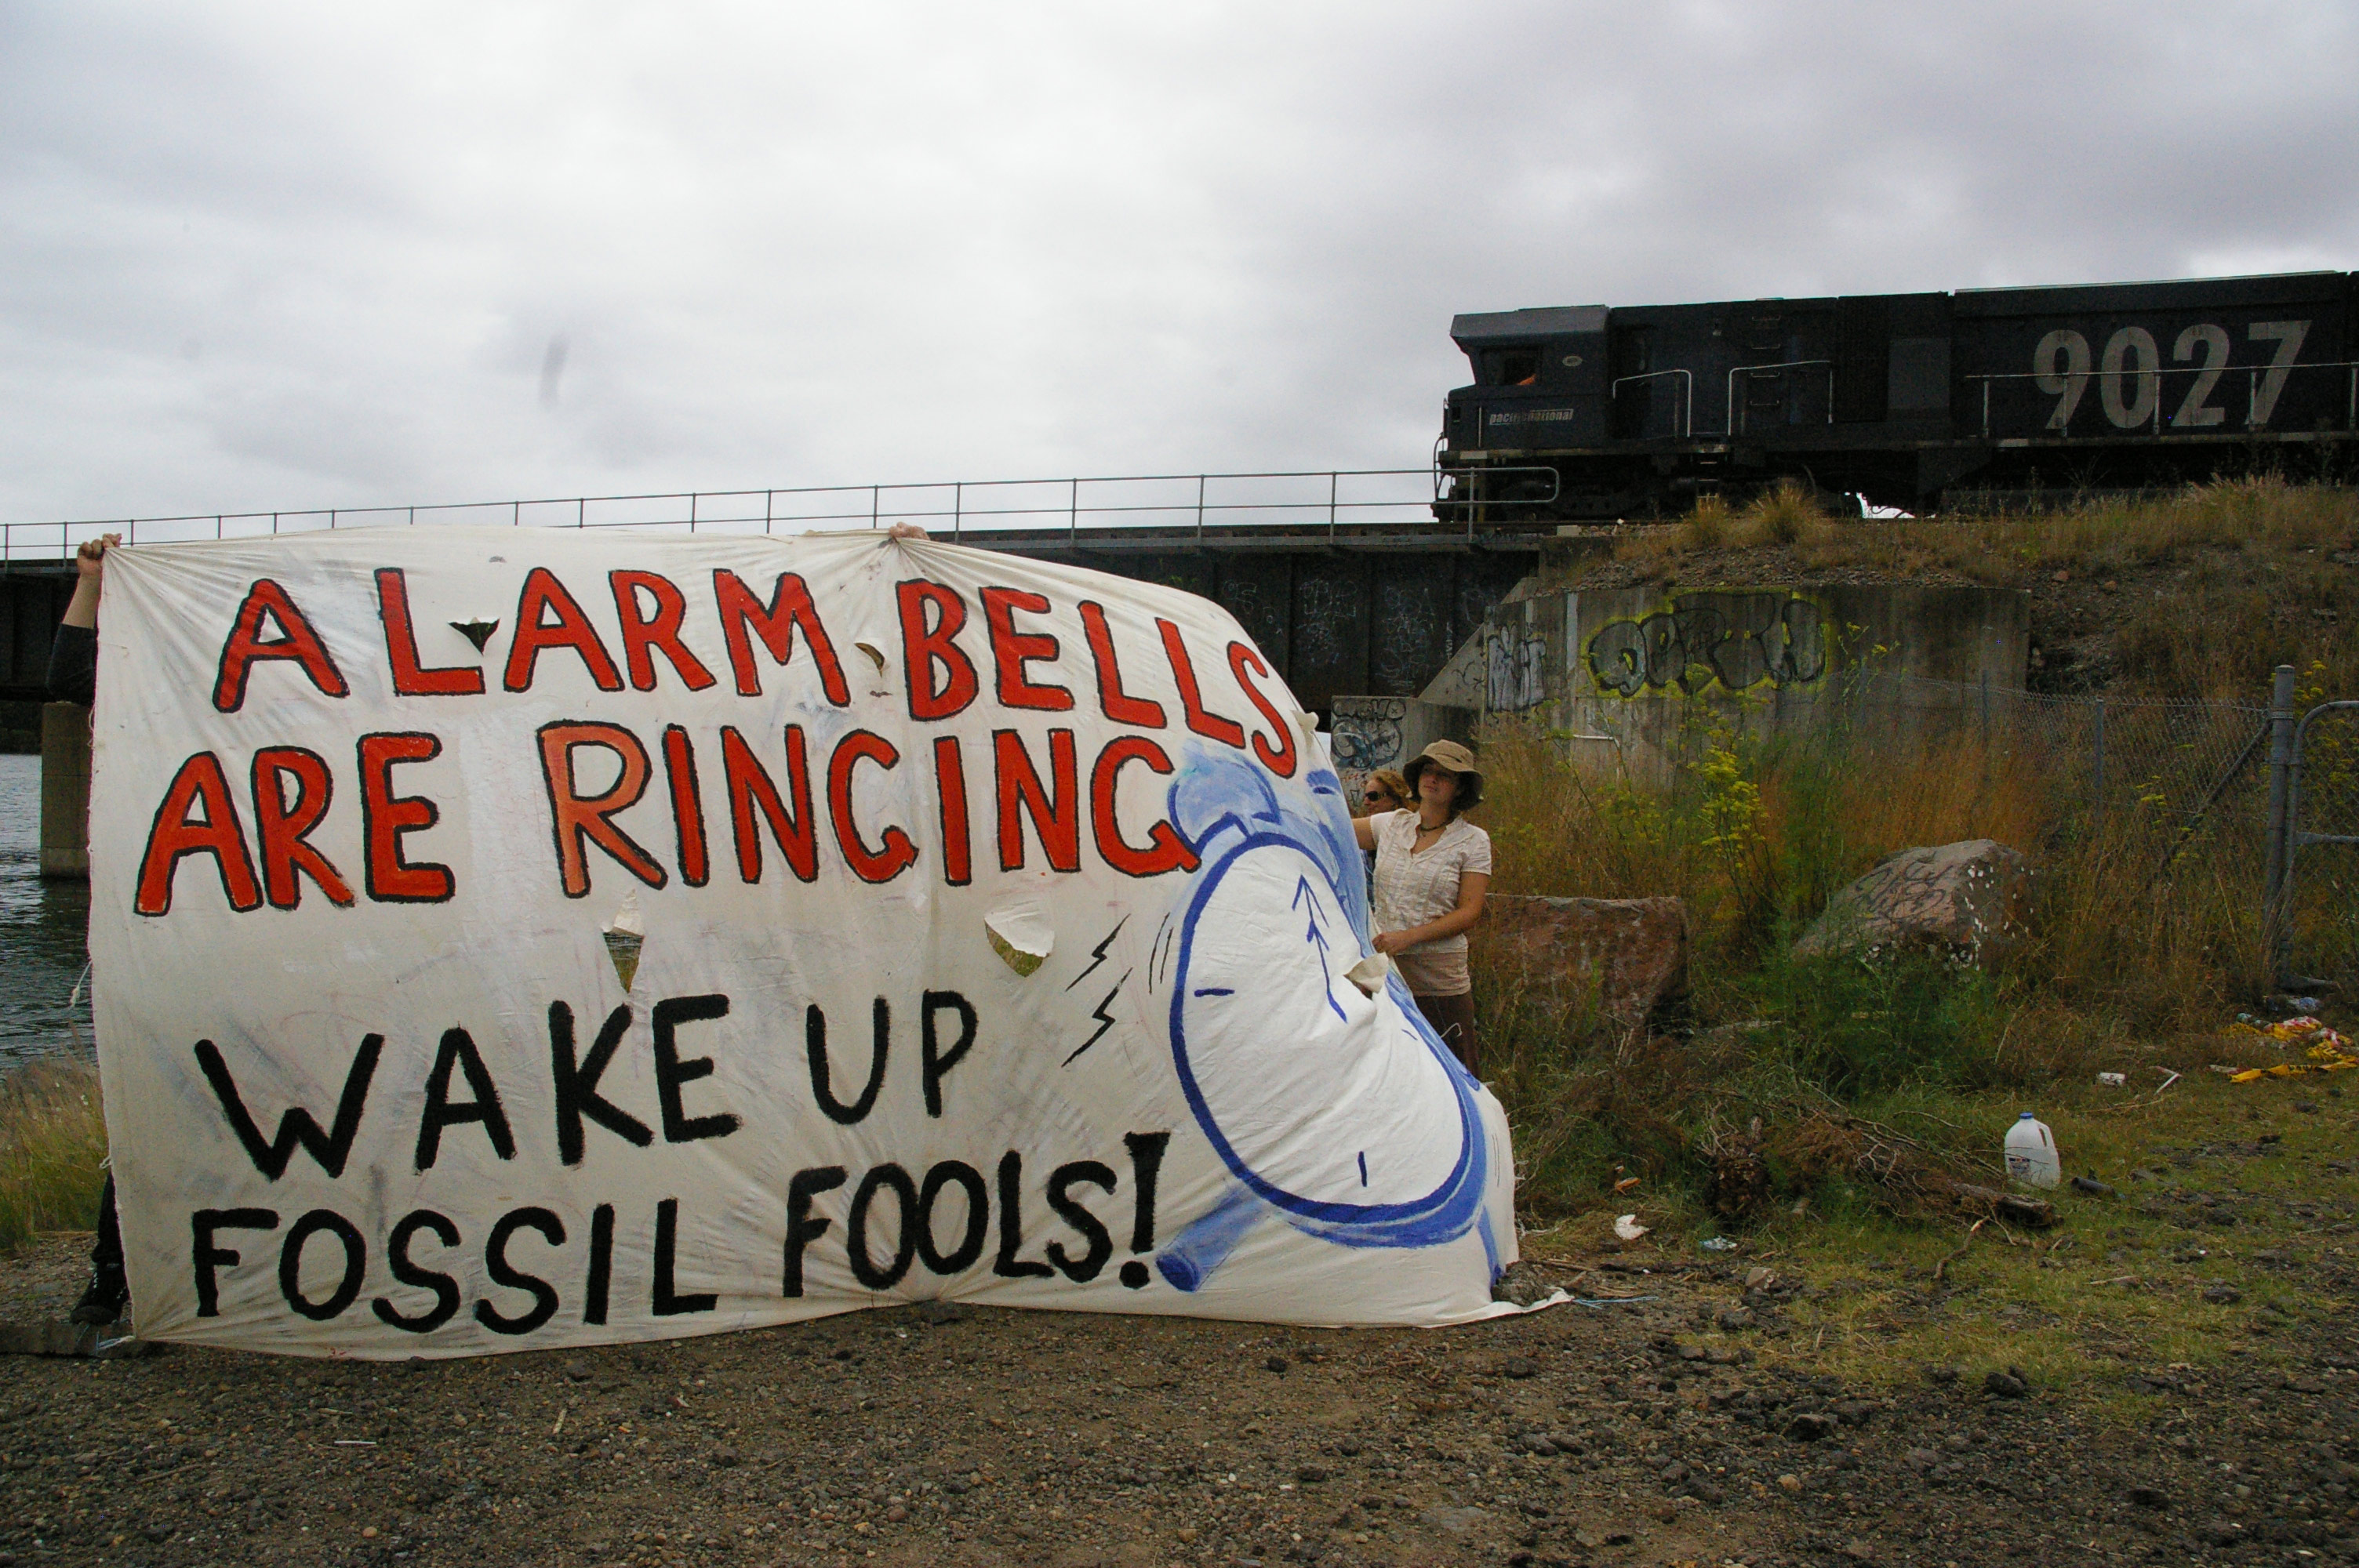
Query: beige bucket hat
<point x="1450" y="757"/>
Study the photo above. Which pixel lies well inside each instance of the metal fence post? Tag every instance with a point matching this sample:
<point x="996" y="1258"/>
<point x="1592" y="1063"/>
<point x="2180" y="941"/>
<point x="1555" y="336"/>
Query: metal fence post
<point x="2274" y="891"/>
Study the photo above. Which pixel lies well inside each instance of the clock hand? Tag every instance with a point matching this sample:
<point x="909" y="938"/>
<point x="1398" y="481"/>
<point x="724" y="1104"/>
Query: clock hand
<point x="1315" y="934"/>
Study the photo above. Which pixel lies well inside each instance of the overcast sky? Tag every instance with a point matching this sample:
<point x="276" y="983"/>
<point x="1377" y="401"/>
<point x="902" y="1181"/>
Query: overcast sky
<point x="283" y="256"/>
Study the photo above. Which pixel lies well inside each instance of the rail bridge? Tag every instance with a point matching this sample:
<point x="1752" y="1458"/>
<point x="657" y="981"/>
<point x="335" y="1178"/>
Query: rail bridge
<point x="1343" y="577"/>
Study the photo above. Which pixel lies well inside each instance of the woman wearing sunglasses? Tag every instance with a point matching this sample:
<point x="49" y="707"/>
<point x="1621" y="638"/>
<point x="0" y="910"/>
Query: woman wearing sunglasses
<point x="1386" y="791"/>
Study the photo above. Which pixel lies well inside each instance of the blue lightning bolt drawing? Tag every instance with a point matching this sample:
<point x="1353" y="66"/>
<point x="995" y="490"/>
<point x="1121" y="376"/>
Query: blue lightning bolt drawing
<point x="1098" y="953"/>
<point x="1106" y="1020"/>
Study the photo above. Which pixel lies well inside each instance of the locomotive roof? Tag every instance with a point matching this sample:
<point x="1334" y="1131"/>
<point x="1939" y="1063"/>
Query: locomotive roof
<point x="1547" y="322"/>
<point x="2252" y="289"/>
<point x="1494" y="326"/>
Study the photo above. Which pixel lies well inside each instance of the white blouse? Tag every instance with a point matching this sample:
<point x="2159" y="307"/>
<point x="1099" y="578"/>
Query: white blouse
<point x="1414" y="886"/>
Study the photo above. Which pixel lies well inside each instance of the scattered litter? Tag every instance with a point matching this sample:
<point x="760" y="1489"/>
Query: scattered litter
<point x="1625" y="1184"/>
<point x="2091" y="1184"/>
<point x="1610" y="1301"/>
<point x="2169" y="1079"/>
<point x="2328" y="1051"/>
<point x="2113" y="1080"/>
<point x="1627" y="1228"/>
<point x="2031" y="1156"/>
<point x="1717" y="1244"/>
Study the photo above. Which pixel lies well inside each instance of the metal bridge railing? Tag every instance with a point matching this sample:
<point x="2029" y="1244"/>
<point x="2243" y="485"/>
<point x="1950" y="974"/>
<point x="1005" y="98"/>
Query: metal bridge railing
<point x="1170" y="505"/>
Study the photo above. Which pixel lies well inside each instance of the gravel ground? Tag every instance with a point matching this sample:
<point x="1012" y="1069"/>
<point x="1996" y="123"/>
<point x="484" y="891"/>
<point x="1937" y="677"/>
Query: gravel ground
<point x="1645" y="1433"/>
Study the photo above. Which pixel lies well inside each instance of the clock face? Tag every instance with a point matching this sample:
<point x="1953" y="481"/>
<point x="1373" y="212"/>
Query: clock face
<point x="1325" y="1100"/>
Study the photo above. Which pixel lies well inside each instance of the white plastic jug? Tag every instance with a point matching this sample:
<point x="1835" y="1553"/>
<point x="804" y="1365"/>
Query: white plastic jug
<point x="2031" y="1156"/>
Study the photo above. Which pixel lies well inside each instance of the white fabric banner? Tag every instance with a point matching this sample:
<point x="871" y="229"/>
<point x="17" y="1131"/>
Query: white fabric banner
<point x="513" y="938"/>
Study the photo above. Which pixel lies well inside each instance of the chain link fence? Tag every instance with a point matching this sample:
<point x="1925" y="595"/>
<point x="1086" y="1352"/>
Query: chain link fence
<point x="2314" y="905"/>
<point x="2179" y="764"/>
<point x="2182" y="785"/>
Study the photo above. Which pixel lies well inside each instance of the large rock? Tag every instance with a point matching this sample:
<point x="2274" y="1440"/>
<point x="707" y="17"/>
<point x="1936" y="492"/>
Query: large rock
<point x="1620" y="957"/>
<point x="1972" y="900"/>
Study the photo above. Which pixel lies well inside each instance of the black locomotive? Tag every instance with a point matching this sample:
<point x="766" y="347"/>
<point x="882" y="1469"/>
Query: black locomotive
<point x="1901" y="399"/>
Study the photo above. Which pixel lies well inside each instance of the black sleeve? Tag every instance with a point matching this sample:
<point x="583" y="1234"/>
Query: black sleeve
<point x="73" y="665"/>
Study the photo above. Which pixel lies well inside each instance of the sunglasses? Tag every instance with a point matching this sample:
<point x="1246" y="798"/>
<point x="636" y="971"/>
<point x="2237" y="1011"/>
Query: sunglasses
<point x="1376" y="794"/>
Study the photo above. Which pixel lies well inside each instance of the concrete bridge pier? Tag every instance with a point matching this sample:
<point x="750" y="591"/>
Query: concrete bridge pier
<point x="65" y="790"/>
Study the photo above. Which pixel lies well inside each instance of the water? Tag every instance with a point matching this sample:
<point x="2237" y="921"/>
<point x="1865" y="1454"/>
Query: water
<point x="43" y="927"/>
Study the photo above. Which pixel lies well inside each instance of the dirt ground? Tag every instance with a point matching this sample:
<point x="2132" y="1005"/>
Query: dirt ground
<point x="1683" y="1423"/>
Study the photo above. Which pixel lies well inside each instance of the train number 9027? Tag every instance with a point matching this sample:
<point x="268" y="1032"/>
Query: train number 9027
<point x="2129" y="374"/>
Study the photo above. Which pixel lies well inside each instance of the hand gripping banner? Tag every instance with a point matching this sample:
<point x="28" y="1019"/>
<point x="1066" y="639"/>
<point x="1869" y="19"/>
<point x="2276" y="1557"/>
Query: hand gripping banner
<point x="508" y="939"/>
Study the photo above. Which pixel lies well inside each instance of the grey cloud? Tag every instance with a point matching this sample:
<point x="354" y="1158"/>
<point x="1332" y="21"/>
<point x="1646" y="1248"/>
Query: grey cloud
<point x="930" y="241"/>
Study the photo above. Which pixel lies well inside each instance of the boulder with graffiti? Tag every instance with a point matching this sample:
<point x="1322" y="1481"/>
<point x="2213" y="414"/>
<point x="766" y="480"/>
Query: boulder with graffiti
<point x="1972" y="900"/>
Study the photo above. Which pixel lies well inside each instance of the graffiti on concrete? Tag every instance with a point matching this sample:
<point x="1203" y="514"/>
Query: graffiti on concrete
<point x="1367" y="734"/>
<point x="1462" y="681"/>
<point x="1737" y="640"/>
<point x="1513" y="660"/>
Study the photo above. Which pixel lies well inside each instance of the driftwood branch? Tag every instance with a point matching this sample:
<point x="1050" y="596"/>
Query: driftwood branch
<point x="1910" y="1177"/>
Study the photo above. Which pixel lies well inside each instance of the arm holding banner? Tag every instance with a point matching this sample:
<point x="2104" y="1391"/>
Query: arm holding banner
<point x="73" y="655"/>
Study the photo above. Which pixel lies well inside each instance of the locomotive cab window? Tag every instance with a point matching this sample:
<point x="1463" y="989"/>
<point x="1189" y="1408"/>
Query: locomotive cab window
<point x="1510" y="367"/>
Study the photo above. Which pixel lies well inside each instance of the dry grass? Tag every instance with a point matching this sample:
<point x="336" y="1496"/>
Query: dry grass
<point x="1785" y="515"/>
<point x="52" y="1140"/>
<point x="2236" y="577"/>
<point x="1757" y="836"/>
<point x="2137" y="956"/>
<point x="1753" y="832"/>
<point x="2265" y="516"/>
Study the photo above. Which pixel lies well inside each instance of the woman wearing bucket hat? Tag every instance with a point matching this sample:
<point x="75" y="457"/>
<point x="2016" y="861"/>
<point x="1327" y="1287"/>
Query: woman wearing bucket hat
<point x="1432" y="869"/>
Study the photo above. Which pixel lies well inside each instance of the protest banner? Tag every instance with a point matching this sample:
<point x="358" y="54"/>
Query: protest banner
<point x="516" y="939"/>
